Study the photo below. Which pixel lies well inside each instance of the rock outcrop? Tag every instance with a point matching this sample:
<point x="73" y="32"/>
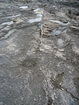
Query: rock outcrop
<point x="39" y="52"/>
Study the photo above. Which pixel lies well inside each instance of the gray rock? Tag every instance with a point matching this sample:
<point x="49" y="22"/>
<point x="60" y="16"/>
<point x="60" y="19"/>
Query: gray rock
<point x="1" y="103"/>
<point x="38" y="70"/>
<point x="55" y="32"/>
<point x="60" y="42"/>
<point x="8" y="34"/>
<point x="7" y="23"/>
<point x="75" y="49"/>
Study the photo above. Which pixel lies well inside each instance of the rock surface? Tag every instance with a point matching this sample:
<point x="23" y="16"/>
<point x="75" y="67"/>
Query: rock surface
<point x="39" y="53"/>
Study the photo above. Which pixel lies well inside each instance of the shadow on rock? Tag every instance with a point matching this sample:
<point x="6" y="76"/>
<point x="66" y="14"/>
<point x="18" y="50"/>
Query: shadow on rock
<point x="29" y="62"/>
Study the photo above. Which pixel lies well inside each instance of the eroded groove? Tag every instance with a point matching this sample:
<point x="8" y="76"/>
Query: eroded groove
<point x="69" y="93"/>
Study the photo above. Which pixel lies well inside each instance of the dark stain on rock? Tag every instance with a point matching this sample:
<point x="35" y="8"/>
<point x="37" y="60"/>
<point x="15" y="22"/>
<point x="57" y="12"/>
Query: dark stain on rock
<point x="50" y="101"/>
<point x="76" y="82"/>
<point x="70" y="4"/>
<point x="56" y="82"/>
<point x="29" y="62"/>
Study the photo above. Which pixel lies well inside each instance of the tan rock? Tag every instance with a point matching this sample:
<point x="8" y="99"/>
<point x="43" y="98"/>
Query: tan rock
<point x="17" y="20"/>
<point x="47" y="27"/>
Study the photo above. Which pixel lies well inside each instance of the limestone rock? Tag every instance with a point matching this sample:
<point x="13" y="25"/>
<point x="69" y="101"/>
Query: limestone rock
<point x="47" y="27"/>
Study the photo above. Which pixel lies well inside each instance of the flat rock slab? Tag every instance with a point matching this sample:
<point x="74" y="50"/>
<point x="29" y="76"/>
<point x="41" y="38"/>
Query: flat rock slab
<point x="39" y="63"/>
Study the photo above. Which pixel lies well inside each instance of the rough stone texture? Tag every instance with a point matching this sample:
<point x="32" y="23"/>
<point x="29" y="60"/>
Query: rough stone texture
<point x="39" y="54"/>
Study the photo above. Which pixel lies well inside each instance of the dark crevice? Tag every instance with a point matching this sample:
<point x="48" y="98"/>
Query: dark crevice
<point x="50" y="101"/>
<point x="69" y="93"/>
<point x="57" y="85"/>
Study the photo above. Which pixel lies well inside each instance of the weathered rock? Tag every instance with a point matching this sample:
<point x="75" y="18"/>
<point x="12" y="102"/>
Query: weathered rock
<point x="60" y="14"/>
<point x="8" y="34"/>
<point x="18" y="20"/>
<point x="38" y="70"/>
<point x="60" y="42"/>
<point x="75" y="49"/>
<point x="60" y="55"/>
<point x="7" y="23"/>
<point x="47" y="28"/>
<point x="75" y="28"/>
